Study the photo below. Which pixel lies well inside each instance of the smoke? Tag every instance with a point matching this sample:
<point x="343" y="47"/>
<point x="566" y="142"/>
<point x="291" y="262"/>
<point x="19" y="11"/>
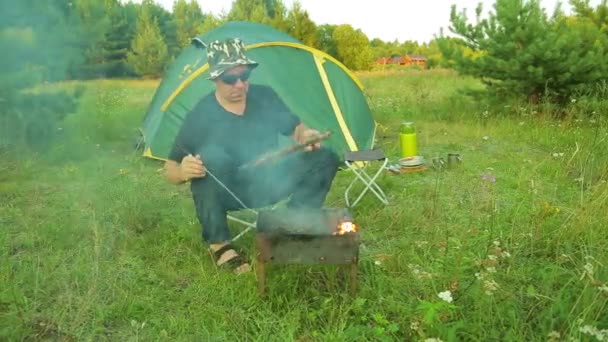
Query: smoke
<point x="38" y="42"/>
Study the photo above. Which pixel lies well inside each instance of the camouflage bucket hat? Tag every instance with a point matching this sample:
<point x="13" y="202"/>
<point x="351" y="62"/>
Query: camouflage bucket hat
<point x="224" y="55"/>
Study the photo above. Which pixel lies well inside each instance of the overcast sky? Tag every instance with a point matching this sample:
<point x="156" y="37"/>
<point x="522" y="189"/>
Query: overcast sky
<point x="384" y="19"/>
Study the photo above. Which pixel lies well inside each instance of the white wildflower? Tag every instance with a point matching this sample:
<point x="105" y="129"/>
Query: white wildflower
<point x="588" y="268"/>
<point x="496" y="243"/>
<point x="603" y="288"/>
<point x="418" y="272"/>
<point x="491" y="269"/>
<point x="492" y="257"/>
<point x="446" y="295"/>
<point x="505" y="254"/>
<point x="490" y="286"/>
<point x="421" y="244"/>
<point x="414" y="325"/>
<point x="485" y="137"/>
<point x="554" y="335"/>
<point x="600" y="335"/>
<point x="433" y="340"/>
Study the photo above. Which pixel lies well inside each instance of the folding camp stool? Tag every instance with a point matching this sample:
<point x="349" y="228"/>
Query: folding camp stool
<point x="358" y="162"/>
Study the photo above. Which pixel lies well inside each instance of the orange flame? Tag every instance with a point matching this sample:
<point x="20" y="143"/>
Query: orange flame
<point x="346" y="227"/>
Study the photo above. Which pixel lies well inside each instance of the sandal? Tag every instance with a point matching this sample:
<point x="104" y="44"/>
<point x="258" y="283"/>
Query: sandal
<point x="233" y="263"/>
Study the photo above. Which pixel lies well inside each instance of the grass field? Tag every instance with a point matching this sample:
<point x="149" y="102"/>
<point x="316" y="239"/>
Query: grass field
<point x="97" y="246"/>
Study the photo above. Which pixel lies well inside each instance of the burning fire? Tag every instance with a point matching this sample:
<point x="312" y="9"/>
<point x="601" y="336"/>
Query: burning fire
<point x="346" y="227"/>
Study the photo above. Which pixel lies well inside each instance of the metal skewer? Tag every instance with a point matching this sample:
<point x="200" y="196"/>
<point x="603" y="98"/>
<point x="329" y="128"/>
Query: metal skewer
<point x="286" y="150"/>
<point x="220" y="182"/>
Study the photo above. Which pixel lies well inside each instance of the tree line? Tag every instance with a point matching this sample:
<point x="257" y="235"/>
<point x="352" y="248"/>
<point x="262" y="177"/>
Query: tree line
<point x="110" y="38"/>
<point x="517" y="48"/>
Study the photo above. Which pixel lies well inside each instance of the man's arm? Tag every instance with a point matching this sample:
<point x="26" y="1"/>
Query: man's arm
<point x="297" y="132"/>
<point x="288" y="122"/>
<point x="302" y="133"/>
<point x="190" y="167"/>
<point x="181" y="166"/>
<point x="174" y="172"/>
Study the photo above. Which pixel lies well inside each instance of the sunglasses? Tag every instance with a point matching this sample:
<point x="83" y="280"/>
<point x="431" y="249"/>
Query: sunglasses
<point x="231" y="79"/>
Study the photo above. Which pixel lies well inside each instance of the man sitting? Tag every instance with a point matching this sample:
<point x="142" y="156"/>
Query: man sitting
<point x="236" y="124"/>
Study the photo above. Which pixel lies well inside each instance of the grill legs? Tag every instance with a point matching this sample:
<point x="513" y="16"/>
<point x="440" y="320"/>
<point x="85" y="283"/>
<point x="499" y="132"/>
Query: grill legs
<point x="351" y="269"/>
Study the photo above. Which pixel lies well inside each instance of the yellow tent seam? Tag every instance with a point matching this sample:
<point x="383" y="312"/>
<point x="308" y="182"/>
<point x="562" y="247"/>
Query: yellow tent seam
<point x="183" y="86"/>
<point x="148" y="153"/>
<point x="315" y="52"/>
<point x="334" y="104"/>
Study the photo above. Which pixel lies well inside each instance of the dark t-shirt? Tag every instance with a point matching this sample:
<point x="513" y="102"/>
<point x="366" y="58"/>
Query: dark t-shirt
<point x="243" y="137"/>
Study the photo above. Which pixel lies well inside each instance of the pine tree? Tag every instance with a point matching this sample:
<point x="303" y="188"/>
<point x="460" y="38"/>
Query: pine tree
<point x="599" y="15"/>
<point x="39" y="41"/>
<point x="188" y="18"/>
<point x="519" y="50"/>
<point x="278" y="15"/>
<point x="211" y="22"/>
<point x="300" y="26"/>
<point x="249" y="10"/>
<point x="117" y="42"/>
<point x="149" y="53"/>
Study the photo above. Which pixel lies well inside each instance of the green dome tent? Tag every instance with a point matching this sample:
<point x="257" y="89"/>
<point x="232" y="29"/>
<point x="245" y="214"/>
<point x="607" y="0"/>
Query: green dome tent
<point x="317" y="87"/>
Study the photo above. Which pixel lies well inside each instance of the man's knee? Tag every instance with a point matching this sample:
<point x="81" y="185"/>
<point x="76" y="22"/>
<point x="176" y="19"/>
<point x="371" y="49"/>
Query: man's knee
<point x="217" y="162"/>
<point x="325" y="158"/>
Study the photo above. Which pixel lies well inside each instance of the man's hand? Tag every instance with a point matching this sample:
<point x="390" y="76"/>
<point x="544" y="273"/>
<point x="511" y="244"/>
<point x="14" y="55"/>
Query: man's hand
<point x="192" y="167"/>
<point x="308" y="134"/>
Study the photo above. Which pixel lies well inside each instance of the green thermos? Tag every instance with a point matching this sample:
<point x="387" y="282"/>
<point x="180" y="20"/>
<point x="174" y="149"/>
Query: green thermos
<point x="407" y="140"/>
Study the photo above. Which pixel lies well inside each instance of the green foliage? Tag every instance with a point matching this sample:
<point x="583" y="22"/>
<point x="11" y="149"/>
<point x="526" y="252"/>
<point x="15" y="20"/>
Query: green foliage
<point x="352" y="47"/>
<point x="211" y="22"/>
<point x="387" y="49"/>
<point x="278" y="15"/>
<point x="249" y="10"/>
<point x="519" y="50"/>
<point x="149" y="53"/>
<point x="325" y="39"/>
<point x="188" y="19"/>
<point x="599" y="15"/>
<point x="300" y="26"/>
<point x="112" y="60"/>
<point x="106" y="38"/>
